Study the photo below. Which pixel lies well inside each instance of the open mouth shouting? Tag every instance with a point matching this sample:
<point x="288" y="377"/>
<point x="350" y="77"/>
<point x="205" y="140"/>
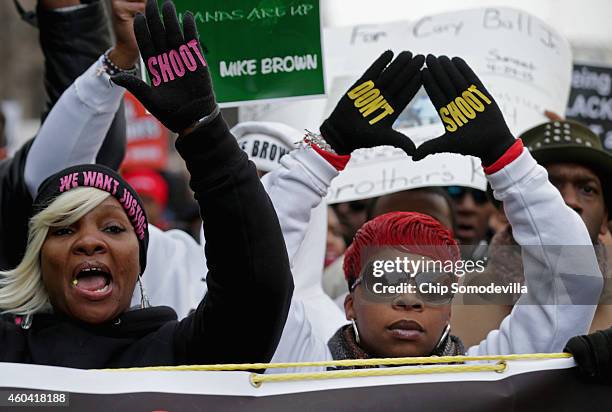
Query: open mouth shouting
<point x="92" y="281"/>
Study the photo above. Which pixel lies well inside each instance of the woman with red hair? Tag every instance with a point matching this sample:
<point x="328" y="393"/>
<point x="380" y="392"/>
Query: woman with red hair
<point x="397" y="265"/>
<point x="397" y="235"/>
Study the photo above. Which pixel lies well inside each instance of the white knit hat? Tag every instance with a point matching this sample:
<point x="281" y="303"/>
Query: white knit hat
<point x="266" y="142"/>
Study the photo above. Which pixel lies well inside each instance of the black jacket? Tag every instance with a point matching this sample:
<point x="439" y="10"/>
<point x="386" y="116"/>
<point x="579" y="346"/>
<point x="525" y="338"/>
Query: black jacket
<point x="249" y="282"/>
<point x="71" y="42"/>
<point x="15" y="208"/>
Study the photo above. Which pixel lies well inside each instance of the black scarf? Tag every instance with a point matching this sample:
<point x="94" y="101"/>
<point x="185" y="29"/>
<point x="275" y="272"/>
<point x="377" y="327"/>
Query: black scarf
<point x="343" y="345"/>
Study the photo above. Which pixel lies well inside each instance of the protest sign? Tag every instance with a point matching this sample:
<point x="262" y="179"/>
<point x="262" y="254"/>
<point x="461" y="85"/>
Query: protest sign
<point x="260" y="50"/>
<point x="147" y="138"/>
<point x="524" y="63"/>
<point x="591" y="100"/>
<point x="382" y="170"/>
<point x="523" y="385"/>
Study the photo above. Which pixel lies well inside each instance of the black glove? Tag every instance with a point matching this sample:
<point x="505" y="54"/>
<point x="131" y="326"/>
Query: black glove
<point x="365" y="115"/>
<point x="181" y="92"/>
<point x="593" y="354"/>
<point x="473" y="121"/>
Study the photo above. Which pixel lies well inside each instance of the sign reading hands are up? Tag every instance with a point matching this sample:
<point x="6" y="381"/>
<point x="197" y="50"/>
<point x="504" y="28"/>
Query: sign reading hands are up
<point x="260" y="50"/>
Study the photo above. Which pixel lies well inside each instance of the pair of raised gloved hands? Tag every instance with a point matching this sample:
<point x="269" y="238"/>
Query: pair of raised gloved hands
<point x="365" y="115"/>
<point x="182" y="94"/>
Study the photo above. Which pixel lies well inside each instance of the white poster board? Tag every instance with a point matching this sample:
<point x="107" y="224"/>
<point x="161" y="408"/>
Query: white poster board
<point x="524" y="63"/>
<point x="382" y="170"/>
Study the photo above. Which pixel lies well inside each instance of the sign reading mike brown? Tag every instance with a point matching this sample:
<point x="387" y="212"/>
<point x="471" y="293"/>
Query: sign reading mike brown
<point x="260" y="50"/>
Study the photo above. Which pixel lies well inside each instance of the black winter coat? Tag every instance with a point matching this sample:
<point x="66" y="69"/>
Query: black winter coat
<point x="71" y="42"/>
<point x="249" y="282"/>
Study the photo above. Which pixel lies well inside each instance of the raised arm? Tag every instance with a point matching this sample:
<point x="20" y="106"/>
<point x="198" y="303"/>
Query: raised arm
<point x="74" y="130"/>
<point x="296" y="188"/>
<point x="249" y="281"/>
<point x="348" y="128"/>
<point x="561" y="272"/>
<point x="299" y="185"/>
<point x="72" y="37"/>
<point x="77" y="125"/>
<point x="248" y="268"/>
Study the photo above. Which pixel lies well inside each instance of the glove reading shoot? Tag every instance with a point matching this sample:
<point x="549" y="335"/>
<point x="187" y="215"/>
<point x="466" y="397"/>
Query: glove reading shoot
<point x="463" y="108"/>
<point x="182" y="92"/>
<point x="474" y="123"/>
<point x="173" y="63"/>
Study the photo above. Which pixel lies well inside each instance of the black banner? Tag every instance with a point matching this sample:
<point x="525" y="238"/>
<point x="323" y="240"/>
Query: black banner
<point x="542" y="390"/>
<point x="590" y="100"/>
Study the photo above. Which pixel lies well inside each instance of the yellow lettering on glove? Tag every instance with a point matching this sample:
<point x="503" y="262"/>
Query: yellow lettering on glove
<point x="473" y="89"/>
<point x="464" y="108"/>
<point x="373" y="105"/>
<point x="368" y="100"/>
<point x="361" y="89"/>
<point x="387" y="109"/>
<point x="450" y="125"/>
<point x="458" y="117"/>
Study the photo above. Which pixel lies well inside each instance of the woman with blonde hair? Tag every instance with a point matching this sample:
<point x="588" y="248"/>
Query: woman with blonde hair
<point x="88" y="240"/>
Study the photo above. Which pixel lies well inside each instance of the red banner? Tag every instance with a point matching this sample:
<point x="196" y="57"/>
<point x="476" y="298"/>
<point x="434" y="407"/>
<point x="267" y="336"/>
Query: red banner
<point x="147" y="138"/>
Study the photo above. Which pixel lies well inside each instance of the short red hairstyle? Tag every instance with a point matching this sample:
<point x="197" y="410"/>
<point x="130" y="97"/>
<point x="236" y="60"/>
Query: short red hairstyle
<point x="409" y="232"/>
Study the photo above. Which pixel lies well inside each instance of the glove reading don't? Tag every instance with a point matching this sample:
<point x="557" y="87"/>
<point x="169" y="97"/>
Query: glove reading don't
<point x="365" y="115"/>
<point x="181" y="91"/>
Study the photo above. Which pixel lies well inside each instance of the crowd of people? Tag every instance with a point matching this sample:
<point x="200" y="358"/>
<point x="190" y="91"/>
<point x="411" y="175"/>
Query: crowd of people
<point x="93" y="275"/>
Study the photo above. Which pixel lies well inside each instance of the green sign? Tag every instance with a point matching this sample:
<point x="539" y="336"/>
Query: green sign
<point x="260" y="49"/>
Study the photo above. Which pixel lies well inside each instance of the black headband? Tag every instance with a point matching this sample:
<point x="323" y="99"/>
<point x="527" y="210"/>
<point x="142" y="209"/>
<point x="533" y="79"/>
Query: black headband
<point x="105" y="179"/>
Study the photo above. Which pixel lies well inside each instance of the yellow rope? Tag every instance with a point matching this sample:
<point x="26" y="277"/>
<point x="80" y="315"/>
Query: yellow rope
<point x="349" y="362"/>
<point x="257" y="379"/>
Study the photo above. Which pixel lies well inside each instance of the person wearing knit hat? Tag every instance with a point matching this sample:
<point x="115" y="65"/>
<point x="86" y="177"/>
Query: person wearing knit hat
<point x="266" y="142"/>
<point x="153" y="191"/>
<point x="88" y="276"/>
<point x="104" y="179"/>
<point x="89" y="233"/>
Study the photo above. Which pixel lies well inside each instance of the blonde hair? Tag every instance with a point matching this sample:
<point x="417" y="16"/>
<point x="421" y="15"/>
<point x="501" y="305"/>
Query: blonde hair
<point x="22" y="291"/>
